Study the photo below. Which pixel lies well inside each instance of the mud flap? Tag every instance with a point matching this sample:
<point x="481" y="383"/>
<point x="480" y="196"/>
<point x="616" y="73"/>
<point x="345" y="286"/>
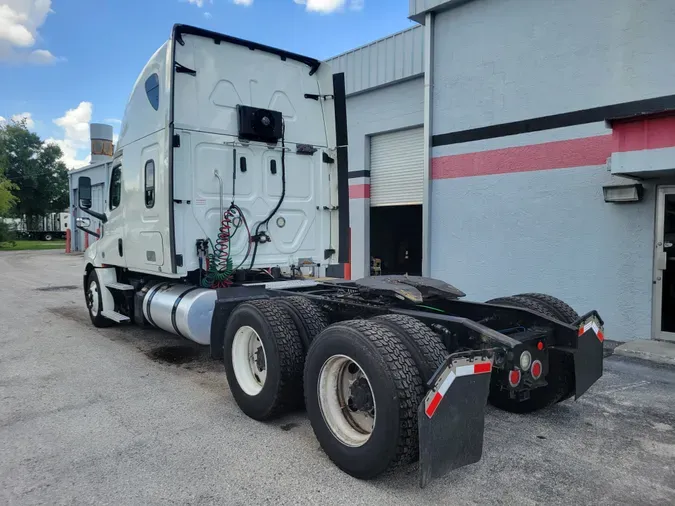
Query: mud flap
<point x="451" y="417"/>
<point x="588" y="357"/>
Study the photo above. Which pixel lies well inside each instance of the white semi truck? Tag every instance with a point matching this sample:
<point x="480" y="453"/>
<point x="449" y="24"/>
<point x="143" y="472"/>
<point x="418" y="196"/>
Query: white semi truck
<point x="45" y="228"/>
<point x="229" y="178"/>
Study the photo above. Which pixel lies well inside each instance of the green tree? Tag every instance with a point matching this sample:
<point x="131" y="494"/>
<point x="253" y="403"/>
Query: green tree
<point x="7" y="200"/>
<point x="35" y="169"/>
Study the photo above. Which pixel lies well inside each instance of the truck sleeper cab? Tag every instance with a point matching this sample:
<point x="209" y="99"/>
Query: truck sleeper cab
<point x="229" y="178"/>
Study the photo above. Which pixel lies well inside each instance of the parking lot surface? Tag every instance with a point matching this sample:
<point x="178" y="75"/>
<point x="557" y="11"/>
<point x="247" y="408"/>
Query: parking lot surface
<point x="131" y="416"/>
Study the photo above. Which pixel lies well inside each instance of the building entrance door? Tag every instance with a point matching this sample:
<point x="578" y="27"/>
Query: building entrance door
<point x="664" y="266"/>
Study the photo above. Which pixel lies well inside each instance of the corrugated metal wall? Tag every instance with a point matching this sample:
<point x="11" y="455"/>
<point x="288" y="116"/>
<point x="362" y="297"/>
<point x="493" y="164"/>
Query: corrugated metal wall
<point x="399" y="56"/>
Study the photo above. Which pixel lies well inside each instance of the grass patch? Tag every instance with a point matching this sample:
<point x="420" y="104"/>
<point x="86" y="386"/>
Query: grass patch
<point x="31" y="245"/>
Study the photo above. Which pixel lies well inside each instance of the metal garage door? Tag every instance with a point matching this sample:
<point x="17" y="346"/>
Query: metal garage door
<point x="397" y="168"/>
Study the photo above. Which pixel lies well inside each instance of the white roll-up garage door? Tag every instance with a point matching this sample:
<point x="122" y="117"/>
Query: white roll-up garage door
<point x="397" y="168"/>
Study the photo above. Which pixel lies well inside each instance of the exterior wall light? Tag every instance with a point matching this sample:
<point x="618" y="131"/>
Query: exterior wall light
<point x="623" y="193"/>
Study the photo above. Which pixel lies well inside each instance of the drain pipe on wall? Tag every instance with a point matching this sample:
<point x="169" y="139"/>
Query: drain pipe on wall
<point x="428" y="131"/>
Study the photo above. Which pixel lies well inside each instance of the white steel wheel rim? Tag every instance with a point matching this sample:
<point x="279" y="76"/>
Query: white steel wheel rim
<point x="249" y="360"/>
<point x="351" y="427"/>
<point x="93" y="298"/>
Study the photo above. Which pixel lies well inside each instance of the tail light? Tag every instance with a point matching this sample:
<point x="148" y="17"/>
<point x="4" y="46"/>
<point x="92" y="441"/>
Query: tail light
<point x="536" y="369"/>
<point x="525" y="360"/>
<point x="514" y="378"/>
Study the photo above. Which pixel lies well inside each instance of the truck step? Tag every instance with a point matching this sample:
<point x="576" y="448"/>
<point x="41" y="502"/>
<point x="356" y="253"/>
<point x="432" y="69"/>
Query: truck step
<point x="115" y="316"/>
<point x="120" y="286"/>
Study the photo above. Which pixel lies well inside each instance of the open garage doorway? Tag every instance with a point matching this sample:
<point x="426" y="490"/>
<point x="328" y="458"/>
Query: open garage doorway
<point x="396" y="240"/>
<point x="396" y="194"/>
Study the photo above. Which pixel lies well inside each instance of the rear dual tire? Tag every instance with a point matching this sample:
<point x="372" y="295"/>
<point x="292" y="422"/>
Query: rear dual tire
<point x="362" y="385"/>
<point x="264" y="359"/>
<point x="391" y="378"/>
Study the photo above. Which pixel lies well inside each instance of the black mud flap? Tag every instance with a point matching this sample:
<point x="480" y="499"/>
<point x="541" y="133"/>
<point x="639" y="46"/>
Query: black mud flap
<point x="451" y="417"/>
<point x="588" y="357"/>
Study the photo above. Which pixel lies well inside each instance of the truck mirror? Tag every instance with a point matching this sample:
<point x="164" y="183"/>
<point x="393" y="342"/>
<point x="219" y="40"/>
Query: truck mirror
<point x="84" y="191"/>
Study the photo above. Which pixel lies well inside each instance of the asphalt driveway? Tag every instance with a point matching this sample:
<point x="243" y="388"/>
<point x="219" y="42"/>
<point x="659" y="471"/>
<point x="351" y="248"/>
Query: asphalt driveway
<point x="126" y="416"/>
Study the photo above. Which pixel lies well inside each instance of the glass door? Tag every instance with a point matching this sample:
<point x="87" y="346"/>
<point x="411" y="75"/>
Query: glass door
<point x="664" y="265"/>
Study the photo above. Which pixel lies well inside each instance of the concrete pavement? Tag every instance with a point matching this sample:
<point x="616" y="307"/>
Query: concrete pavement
<point x="661" y="352"/>
<point x="125" y="416"/>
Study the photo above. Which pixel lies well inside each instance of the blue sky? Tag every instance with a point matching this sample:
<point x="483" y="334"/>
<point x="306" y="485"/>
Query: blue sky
<point x="64" y="63"/>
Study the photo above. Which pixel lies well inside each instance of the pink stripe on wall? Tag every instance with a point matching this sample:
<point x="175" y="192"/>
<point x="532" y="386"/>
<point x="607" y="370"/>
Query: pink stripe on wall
<point x="637" y="135"/>
<point x="359" y="191"/>
<point x="651" y="133"/>
<point x="549" y="155"/>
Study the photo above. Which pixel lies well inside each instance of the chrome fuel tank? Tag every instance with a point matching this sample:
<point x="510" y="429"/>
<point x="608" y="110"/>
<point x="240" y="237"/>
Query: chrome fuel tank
<point x="184" y="310"/>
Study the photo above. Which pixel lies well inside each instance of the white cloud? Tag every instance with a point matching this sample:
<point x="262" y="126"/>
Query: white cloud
<point x="19" y="23"/>
<point x="70" y="153"/>
<point x="208" y="15"/>
<point x="28" y="117"/>
<point x="329" y="6"/>
<point x="2" y="121"/>
<point x="245" y="3"/>
<point x="198" y="3"/>
<point x="41" y="57"/>
<point x="75" y="123"/>
<point x="113" y="120"/>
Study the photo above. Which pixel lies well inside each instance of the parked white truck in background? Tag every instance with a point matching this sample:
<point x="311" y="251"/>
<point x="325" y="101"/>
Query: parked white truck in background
<point x="45" y="228"/>
<point x="229" y="176"/>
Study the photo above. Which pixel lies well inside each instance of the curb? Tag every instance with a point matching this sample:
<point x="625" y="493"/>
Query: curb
<point x="653" y="351"/>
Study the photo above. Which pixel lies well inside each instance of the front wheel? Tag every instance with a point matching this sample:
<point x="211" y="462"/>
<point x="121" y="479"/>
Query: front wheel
<point x="362" y="391"/>
<point x="95" y="302"/>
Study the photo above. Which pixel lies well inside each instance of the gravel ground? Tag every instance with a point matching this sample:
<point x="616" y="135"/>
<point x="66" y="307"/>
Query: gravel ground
<point x="125" y="416"/>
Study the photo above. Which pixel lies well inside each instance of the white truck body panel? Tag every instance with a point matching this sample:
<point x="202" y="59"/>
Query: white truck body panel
<point x="205" y="120"/>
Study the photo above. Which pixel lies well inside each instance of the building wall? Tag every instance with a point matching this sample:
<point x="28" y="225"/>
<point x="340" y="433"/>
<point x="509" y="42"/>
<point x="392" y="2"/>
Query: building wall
<point x="526" y="212"/>
<point x="99" y="193"/>
<point x="497" y="61"/>
<point x="394" y="58"/>
<point x="394" y="107"/>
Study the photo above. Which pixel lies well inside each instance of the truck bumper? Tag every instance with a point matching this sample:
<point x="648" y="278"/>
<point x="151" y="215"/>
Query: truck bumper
<point x="451" y="417"/>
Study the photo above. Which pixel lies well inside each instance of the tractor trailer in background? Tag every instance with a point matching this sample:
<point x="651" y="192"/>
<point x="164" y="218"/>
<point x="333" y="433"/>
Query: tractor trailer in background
<point x="229" y="178"/>
<point x="44" y="228"/>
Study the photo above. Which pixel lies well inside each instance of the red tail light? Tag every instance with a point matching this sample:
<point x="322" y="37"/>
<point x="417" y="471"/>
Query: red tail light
<point x="536" y="369"/>
<point x="514" y="378"/>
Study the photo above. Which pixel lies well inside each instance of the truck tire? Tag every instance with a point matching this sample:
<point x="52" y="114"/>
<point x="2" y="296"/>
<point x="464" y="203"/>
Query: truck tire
<point x="94" y="302"/>
<point x="48" y="237"/>
<point x="264" y="359"/>
<point x="564" y="312"/>
<point x="308" y="318"/>
<point x="424" y="344"/>
<point x="362" y="391"/>
<point x="560" y="376"/>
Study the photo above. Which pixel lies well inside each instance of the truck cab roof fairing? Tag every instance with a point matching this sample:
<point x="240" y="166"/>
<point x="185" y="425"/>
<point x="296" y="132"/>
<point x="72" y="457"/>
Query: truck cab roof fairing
<point x="179" y="30"/>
